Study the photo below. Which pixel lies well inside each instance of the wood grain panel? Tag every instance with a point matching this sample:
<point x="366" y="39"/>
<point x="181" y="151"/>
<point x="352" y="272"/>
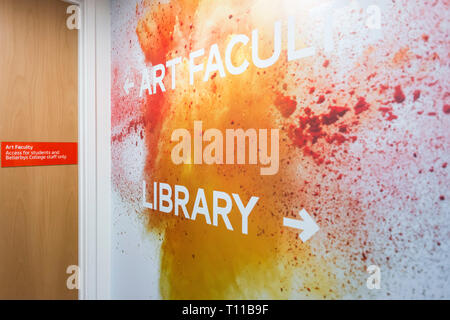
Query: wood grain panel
<point x="38" y="102"/>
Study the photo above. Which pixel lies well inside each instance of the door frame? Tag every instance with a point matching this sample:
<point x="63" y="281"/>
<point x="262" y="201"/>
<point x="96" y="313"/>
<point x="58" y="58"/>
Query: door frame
<point x="94" y="149"/>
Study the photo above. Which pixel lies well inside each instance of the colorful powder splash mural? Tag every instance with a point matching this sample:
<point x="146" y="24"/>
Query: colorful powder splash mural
<point x="363" y="147"/>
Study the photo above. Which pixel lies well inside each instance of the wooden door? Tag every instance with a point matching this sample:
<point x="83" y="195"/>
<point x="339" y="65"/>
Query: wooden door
<point x="38" y="103"/>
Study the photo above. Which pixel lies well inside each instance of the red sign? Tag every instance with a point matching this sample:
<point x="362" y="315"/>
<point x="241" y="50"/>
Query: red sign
<point x="25" y="154"/>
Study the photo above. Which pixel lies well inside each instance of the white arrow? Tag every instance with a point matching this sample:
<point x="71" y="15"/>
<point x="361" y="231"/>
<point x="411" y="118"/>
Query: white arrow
<point x="308" y="225"/>
<point x="128" y="85"/>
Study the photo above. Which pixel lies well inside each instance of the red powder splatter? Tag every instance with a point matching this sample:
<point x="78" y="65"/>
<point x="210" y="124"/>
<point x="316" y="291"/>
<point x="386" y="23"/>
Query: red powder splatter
<point x="446" y="109"/>
<point x="361" y="106"/>
<point x="372" y="75"/>
<point x="131" y="127"/>
<point x="399" y="96"/>
<point x="286" y="105"/>
<point x="312" y="127"/>
<point x="389" y="112"/>
<point x="321" y="99"/>
<point x="326" y="63"/>
<point x="383" y="88"/>
<point x="155" y="43"/>
<point x="334" y="114"/>
<point x="416" y="95"/>
<point x="337" y="137"/>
